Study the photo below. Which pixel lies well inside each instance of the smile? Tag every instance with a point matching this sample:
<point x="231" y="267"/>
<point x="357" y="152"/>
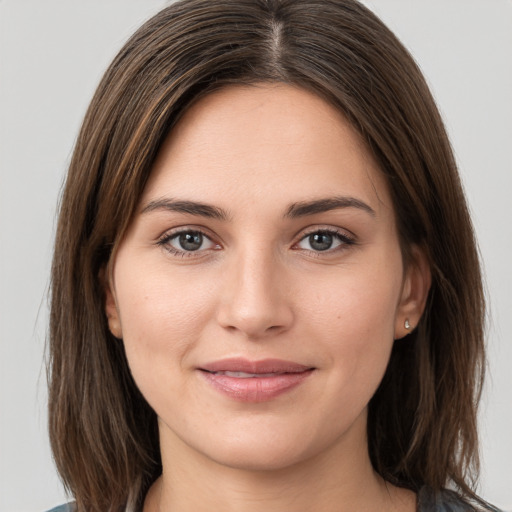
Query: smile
<point x="254" y="381"/>
<point x="244" y="375"/>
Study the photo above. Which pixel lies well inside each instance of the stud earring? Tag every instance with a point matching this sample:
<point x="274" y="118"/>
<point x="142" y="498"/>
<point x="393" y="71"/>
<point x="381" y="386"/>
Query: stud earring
<point x="407" y="325"/>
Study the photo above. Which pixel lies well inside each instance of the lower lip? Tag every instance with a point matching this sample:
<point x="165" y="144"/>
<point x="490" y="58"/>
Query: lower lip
<point x="256" y="389"/>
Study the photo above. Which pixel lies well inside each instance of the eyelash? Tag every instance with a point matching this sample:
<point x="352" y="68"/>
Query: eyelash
<point x="166" y="239"/>
<point x="343" y="238"/>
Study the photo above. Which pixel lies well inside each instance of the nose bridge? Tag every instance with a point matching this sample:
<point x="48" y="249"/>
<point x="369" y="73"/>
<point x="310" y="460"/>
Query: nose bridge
<point x="254" y="300"/>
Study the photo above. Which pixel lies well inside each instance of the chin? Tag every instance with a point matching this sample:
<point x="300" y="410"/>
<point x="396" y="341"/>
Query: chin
<point x="260" y="457"/>
<point x="260" y="448"/>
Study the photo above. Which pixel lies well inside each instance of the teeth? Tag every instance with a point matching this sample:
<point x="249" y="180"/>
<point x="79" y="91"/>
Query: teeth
<point x="244" y="375"/>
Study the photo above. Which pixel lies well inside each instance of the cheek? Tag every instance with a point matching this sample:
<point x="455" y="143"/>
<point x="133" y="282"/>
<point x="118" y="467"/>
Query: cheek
<point x="358" y="304"/>
<point x="353" y="320"/>
<point x="161" y="318"/>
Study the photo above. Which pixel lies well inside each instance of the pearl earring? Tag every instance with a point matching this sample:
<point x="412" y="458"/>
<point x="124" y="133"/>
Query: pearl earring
<point x="407" y="325"/>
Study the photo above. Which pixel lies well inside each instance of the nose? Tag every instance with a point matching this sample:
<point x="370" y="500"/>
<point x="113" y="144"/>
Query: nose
<point x="254" y="299"/>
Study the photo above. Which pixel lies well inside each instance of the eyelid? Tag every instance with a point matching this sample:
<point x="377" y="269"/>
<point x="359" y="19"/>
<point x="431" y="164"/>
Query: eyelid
<point x="346" y="238"/>
<point x="322" y="228"/>
<point x="165" y="239"/>
<point x="185" y="228"/>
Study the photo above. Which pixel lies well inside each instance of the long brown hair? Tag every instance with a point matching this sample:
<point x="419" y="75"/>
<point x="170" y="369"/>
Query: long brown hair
<point x="422" y="419"/>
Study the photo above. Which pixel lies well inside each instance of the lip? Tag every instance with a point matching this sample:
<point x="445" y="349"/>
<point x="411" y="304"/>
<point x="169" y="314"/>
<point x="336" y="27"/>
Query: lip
<point x="254" y="381"/>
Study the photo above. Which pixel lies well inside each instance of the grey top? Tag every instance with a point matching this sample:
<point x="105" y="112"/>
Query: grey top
<point x="443" y="501"/>
<point x="69" y="507"/>
<point x="428" y="501"/>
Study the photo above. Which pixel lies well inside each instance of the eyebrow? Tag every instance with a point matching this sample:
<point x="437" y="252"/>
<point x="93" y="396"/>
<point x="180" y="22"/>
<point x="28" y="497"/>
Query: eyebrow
<point x="190" y="207"/>
<point x="295" y="210"/>
<point x="304" y="208"/>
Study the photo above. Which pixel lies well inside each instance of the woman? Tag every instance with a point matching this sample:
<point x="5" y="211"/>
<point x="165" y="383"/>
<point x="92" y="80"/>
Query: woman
<point x="266" y="293"/>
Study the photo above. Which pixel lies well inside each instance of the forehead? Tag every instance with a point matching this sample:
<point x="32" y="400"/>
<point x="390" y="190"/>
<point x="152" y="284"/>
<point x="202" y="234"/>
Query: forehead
<point x="252" y="141"/>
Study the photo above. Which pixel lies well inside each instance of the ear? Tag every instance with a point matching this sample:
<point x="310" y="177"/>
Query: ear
<point x="111" y="310"/>
<point x="416" y="285"/>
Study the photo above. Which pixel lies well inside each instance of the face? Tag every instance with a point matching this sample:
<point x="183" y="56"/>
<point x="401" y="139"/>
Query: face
<point x="260" y="286"/>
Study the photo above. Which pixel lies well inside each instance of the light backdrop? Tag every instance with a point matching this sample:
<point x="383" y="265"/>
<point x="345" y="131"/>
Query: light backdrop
<point x="52" y="55"/>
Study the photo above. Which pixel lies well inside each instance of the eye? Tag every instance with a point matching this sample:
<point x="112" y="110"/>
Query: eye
<point x="188" y="241"/>
<point x="324" y="240"/>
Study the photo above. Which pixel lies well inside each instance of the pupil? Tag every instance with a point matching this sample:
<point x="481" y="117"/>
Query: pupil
<point x="320" y="241"/>
<point x="191" y="241"/>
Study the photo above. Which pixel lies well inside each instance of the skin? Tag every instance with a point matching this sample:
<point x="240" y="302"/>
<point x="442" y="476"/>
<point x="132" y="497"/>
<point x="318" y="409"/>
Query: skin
<point x="258" y="288"/>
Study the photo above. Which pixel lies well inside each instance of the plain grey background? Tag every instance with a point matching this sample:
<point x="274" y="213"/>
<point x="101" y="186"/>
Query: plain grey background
<point x="52" y="54"/>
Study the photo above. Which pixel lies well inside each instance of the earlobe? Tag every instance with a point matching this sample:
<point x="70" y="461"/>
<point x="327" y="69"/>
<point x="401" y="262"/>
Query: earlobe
<point x="114" y="322"/>
<point x="416" y="286"/>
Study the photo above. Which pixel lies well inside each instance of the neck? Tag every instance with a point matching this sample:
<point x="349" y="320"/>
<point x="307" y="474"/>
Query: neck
<point x="338" y="480"/>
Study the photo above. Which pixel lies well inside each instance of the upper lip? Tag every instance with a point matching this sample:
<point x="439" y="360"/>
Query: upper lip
<point x="261" y="366"/>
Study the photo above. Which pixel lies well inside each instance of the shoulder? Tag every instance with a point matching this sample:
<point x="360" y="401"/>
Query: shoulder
<point x="448" y="501"/>
<point x="68" y="507"/>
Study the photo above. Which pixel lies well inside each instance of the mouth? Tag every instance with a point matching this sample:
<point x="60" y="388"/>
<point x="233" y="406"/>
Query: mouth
<point x="244" y="375"/>
<point x="254" y="381"/>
